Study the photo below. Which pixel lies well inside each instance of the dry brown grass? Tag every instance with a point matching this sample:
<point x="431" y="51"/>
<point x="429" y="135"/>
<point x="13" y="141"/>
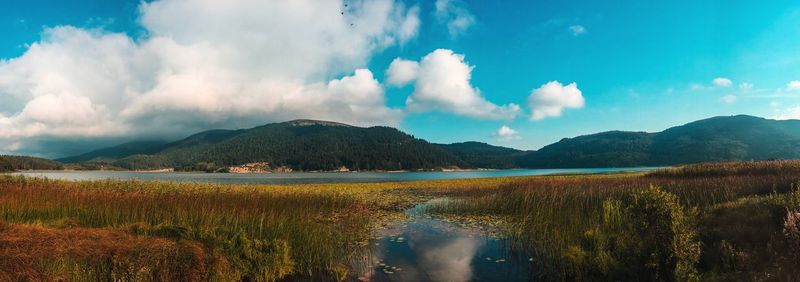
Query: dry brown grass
<point x="38" y="253"/>
<point x="775" y="167"/>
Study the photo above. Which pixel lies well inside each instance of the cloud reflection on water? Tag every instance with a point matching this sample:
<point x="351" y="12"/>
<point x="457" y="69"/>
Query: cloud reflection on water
<point x="452" y="261"/>
<point x="427" y="248"/>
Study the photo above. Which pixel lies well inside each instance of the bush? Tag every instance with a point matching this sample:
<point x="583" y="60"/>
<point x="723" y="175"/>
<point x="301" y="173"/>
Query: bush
<point x="645" y="236"/>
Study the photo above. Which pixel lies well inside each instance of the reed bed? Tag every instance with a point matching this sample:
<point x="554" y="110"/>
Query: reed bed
<point x="248" y="232"/>
<point x="775" y="167"/>
<point x="709" y="222"/>
<point x="551" y="216"/>
<point x="321" y="226"/>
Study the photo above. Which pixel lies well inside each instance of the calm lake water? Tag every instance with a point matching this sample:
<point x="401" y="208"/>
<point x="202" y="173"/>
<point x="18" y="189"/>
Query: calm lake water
<point x="311" y="177"/>
<point x="428" y="248"/>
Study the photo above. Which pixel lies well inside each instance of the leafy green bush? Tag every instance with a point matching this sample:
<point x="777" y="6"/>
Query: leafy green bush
<point x="645" y="236"/>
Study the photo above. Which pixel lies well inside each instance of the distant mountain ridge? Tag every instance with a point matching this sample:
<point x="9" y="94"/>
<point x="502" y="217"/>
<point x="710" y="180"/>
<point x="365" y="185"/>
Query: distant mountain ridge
<point x="306" y="145"/>
<point x="119" y="151"/>
<point x="729" y="138"/>
<point x="322" y="145"/>
<point x="482" y="155"/>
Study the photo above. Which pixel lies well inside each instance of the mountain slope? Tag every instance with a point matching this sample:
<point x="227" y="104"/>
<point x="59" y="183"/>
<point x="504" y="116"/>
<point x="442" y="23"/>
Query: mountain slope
<point x="322" y="145"/>
<point x="482" y="155"/>
<point x="715" y="139"/>
<point x="301" y="145"/>
<point x="606" y="149"/>
<point x="12" y="163"/>
<point x="727" y="138"/>
<point x="119" y="151"/>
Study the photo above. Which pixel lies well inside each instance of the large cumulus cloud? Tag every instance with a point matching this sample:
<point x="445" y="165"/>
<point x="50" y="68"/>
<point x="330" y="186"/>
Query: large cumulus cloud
<point x="442" y="83"/>
<point x="552" y="98"/>
<point x="204" y="64"/>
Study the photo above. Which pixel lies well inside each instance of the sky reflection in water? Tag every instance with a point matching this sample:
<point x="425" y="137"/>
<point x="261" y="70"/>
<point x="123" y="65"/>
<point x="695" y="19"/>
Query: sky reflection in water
<point x="427" y="248"/>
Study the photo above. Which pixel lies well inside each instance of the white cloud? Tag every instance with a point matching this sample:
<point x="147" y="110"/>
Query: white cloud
<point x="205" y="64"/>
<point x="402" y="72"/>
<point x="552" y="98"/>
<point x="577" y="29"/>
<point x="696" y="87"/>
<point x="722" y="82"/>
<point x="728" y="99"/>
<point x="745" y="86"/>
<point x="790" y="113"/>
<point x="505" y="133"/>
<point x="793" y="85"/>
<point x="410" y="26"/>
<point x="453" y="13"/>
<point x="443" y="84"/>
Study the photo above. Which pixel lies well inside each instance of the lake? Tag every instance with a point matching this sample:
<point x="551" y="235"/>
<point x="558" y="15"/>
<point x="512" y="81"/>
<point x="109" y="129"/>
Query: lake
<point x="313" y="177"/>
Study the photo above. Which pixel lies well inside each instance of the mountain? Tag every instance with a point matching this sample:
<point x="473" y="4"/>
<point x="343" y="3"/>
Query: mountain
<point x="12" y="163"/>
<point x="728" y="138"/>
<point x="311" y="145"/>
<point x="306" y="145"/>
<point x="482" y="155"/>
<point x="119" y="151"/>
<point x="606" y="149"/>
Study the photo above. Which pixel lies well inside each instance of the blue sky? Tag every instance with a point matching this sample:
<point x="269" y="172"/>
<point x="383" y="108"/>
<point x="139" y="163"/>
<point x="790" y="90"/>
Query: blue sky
<point x="639" y="65"/>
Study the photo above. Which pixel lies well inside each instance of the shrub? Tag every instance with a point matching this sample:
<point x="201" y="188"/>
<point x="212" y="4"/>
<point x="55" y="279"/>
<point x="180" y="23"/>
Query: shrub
<point x="645" y="236"/>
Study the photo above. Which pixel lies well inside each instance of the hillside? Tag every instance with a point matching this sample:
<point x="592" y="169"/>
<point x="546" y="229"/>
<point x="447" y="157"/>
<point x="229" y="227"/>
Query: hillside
<point x="305" y="145"/>
<point x="310" y="145"/>
<point x="482" y="155"/>
<point x="730" y="138"/>
<point x="12" y="163"/>
<point x="119" y="151"/>
<point x="607" y="149"/>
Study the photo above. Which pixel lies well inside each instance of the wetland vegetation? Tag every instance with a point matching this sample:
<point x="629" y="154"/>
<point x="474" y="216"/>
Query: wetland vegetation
<point x="702" y="222"/>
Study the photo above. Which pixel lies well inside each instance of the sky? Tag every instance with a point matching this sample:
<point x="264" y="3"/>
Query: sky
<point x="76" y="75"/>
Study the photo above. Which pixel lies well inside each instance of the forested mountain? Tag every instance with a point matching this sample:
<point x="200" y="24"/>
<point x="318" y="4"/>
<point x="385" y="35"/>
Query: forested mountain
<point x="12" y="163"/>
<point x="729" y="138"/>
<point x="482" y="155"/>
<point x="320" y="145"/>
<point x="300" y="145"/>
<point x="607" y="149"/>
<point x="119" y="151"/>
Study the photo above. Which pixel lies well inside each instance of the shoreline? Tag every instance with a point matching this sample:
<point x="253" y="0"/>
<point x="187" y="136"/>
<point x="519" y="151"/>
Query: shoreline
<point x="166" y="171"/>
<point x="565" y="171"/>
<point x="172" y="170"/>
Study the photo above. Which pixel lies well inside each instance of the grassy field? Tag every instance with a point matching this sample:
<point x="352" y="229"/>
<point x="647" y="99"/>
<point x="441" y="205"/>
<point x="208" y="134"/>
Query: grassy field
<point x="708" y="222"/>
